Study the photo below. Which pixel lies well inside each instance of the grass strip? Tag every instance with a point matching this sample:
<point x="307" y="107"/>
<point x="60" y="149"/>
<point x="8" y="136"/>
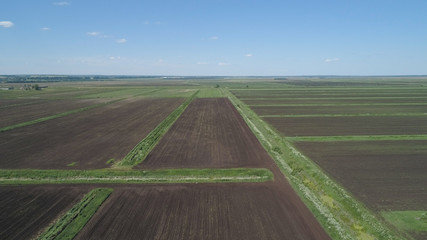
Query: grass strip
<point x="334" y="104"/>
<point x="356" y="138"/>
<point x="76" y="218"/>
<point x="32" y="176"/>
<point x="340" y="214"/>
<point x="414" y="221"/>
<point x="414" y="114"/>
<point x="141" y="150"/>
<point x="43" y="119"/>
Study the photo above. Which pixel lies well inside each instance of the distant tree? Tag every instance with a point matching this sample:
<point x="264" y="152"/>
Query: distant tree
<point x="37" y="87"/>
<point x="217" y="86"/>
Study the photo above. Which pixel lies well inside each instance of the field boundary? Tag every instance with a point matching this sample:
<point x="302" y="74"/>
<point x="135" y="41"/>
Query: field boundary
<point x="30" y="176"/>
<point x="63" y="114"/>
<point x="356" y="138"/>
<point x="346" y="115"/>
<point x="70" y="224"/>
<point x="144" y="147"/>
<point x="340" y="214"/>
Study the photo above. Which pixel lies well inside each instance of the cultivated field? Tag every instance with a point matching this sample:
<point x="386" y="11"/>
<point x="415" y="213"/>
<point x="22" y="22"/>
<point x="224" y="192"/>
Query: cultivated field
<point x="385" y="173"/>
<point x="209" y="134"/>
<point x="203" y="211"/>
<point x="85" y="140"/>
<point x="355" y="125"/>
<point x="27" y="210"/>
<point x="32" y="111"/>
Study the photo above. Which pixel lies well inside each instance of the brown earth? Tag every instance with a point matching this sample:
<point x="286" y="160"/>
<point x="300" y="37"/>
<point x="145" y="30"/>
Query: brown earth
<point x="89" y="138"/>
<point x="209" y="134"/>
<point x="28" y="112"/>
<point x="386" y="175"/>
<point x="372" y="109"/>
<point x="337" y="126"/>
<point x="28" y="210"/>
<point x="203" y="211"/>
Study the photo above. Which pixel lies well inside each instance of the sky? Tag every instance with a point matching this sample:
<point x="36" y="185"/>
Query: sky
<point x="214" y="37"/>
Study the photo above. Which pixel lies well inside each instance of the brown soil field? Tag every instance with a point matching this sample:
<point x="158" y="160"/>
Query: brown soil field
<point x="27" y="210"/>
<point x="337" y="126"/>
<point x="209" y="134"/>
<point x="295" y="110"/>
<point x="203" y="211"/>
<point x="386" y="175"/>
<point x="361" y="100"/>
<point x="6" y="103"/>
<point x="89" y="138"/>
<point x="28" y="112"/>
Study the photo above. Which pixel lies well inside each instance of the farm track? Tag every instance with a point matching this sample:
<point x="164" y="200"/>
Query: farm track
<point x="86" y="140"/>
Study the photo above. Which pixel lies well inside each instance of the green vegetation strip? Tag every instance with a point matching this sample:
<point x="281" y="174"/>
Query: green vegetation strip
<point x="74" y="220"/>
<point x="43" y="119"/>
<point x="340" y="214"/>
<point x="348" y="115"/>
<point x="356" y="138"/>
<point x="141" y="150"/>
<point x="30" y="176"/>
<point x="335" y="104"/>
<point x="414" y="221"/>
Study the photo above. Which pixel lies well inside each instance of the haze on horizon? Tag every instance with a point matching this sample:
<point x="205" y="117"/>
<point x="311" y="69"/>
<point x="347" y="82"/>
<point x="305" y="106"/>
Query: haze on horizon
<point x="214" y="37"/>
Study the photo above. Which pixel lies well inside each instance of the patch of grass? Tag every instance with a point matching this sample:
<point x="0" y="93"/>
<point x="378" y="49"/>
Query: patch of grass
<point x="63" y="114"/>
<point x="141" y="150"/>
<point x="110" y="161"/>
<point x="72" y="164"/>
<point x="30" y="176"/>
<point x="414" y="221"/>
<point x="76" y="218"/>
<point x="211" y="93"/>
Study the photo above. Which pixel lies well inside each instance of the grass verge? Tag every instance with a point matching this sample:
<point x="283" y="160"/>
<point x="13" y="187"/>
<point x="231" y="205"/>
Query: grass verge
<point x="141" y="150"/>
<point x="414" y="221"/>
<point x="76" y="218"/>
<point x="31" y="176"/>
<point x="356" y="138"/>
<point x="340" y="214"/>
<point x="23" y="124"/>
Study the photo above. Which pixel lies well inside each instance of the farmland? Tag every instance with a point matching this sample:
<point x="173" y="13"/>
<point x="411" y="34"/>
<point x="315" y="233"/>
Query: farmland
<point x="369" y="139"/>
<point x="236" y="211"/>
<point x="209" y="134"/>
<point x="26" y="210"/>
<point x="215" y="159"/>
<point x="88" y="139"/>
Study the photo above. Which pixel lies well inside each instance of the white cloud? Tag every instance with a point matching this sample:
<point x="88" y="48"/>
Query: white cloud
<point x="202" y="63"/>
<point x="6" y="24"/>
<point x="214" y="38"/>
<point x="93" y="33"/>
<point x="332" y="60"/>
<point x="248" y="55"/>
<point x="45" y="29"/>
<point x="61" y="3"/>
<point x="122" y="40"/>
<point x="223" y="64"/>
<point x="115" y="58"/>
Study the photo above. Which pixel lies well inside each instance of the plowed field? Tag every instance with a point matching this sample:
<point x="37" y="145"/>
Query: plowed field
<point x="27" y="210"/>
<point x="209" y="134"/>
<point x="28" y="112"/>
<point x="212" y="211"/>
<point x="338" y="126"/>
<point x="384" y="174"/>
<point x="86" y="140"/>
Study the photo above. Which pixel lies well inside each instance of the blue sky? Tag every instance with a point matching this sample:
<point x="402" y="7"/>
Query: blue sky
<point x="214" y="37"/>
